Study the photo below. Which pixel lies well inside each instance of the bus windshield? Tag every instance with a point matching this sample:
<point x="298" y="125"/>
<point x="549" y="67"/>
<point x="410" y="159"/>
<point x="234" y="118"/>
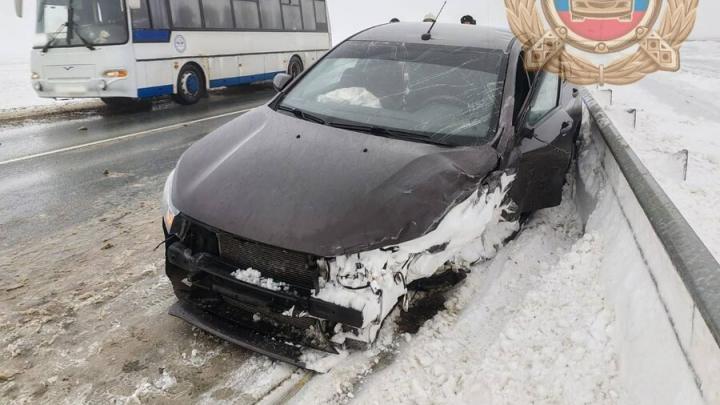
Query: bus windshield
<point x="94" y="22"/>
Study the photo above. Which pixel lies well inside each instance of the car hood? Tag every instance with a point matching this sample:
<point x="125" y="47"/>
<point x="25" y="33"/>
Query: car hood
<point x="302" y="186"/>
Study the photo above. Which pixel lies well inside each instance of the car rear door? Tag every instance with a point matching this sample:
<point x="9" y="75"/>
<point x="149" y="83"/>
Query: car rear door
<point x="546" y="143"/>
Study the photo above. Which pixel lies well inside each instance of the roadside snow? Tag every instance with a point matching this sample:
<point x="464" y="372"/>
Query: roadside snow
<point x="678" y="112"/>
<point x="15" y="80"/>
<point x="554" y="348"/>
<point x="20" y="99"/>
<point x="558" y="347"/>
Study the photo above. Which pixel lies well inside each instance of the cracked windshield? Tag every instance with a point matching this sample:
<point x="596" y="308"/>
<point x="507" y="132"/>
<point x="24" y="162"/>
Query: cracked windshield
<point x="446" y="94"/>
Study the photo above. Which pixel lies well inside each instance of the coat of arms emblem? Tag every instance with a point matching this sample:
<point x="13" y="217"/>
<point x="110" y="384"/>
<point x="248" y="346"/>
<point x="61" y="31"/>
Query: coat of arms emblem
<point x="603" y="27"/>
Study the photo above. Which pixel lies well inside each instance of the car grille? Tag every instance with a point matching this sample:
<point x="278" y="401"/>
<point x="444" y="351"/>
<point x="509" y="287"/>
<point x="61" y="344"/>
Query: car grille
<point x="294" y="268"/>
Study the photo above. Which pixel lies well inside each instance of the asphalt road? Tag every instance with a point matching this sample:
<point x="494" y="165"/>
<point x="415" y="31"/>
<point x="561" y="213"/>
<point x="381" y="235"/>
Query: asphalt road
<point x="65" y="170"/>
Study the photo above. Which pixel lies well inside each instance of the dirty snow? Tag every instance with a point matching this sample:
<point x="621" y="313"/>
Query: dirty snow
<point x="322" y="362"/>
<point x="677" y="116"/>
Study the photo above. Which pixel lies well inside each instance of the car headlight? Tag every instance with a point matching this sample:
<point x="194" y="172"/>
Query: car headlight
<point x="169" y="210"/>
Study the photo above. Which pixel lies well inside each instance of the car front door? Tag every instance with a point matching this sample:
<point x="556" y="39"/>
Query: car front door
<point x="546" y="142"/>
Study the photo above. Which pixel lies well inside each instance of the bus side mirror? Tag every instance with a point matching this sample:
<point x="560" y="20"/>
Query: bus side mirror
<point x="281" y="80"/>
<point x="19" y="8"/>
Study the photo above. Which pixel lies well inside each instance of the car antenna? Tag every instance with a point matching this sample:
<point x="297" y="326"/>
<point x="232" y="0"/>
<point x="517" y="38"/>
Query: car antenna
<point x="427" y="36"/>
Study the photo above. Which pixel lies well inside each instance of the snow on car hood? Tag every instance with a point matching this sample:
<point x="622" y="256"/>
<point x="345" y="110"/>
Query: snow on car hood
<point x="278" y="180"/>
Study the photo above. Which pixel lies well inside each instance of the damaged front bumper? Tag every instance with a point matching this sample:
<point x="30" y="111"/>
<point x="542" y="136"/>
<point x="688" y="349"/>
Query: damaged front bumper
<point x="280" y="302"/>
<point x="281" y="324"/>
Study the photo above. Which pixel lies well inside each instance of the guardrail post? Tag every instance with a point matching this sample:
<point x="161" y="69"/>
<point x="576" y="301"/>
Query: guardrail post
<point x="634" y="113"/>
<point x="609" y="94"/>
<point x="684" y="156"/>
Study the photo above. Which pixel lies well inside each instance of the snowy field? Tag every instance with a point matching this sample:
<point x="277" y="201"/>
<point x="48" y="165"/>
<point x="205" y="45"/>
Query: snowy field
<point x="19" y="98"/>
<point x="677" y="112"/>
<point x="15" y="80"/>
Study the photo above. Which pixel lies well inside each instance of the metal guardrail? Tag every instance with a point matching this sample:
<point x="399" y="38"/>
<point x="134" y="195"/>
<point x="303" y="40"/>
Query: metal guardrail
<point x="697" y="267"/>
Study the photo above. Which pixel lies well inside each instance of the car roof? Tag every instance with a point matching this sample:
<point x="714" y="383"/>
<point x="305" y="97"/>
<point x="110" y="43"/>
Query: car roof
<point x="443" y="34"/>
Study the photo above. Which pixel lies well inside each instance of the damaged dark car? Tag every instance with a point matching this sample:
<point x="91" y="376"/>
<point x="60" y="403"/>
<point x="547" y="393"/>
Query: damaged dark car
<point x="295" y="229"/>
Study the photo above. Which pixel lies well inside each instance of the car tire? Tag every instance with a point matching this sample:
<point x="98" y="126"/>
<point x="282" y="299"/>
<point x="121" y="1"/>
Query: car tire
<point x="190" y="85"/>
<point x="295" y="67"/>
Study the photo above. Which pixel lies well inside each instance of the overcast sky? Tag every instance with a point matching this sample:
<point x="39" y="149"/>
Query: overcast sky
<point x="346" y="17"/>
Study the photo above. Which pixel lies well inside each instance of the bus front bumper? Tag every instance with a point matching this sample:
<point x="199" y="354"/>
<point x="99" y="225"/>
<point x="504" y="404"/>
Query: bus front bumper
<point x="90" y="88"/>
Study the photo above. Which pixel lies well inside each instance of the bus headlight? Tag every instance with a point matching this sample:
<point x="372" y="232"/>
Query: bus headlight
<point x="35" y="76"/>
<point x="116" y="74"/>
<point x="169" y="210"/>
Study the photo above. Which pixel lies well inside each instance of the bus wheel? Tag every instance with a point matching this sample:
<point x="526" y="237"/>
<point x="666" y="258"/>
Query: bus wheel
<point x="190" y="85"/>
<point x="295" y="67"/>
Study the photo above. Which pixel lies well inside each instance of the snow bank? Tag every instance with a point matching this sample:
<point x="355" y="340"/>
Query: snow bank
<point x="666" y="354"/>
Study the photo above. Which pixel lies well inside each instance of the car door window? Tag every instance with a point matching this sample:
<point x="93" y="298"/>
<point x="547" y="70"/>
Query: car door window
<point x="545" y="98"/>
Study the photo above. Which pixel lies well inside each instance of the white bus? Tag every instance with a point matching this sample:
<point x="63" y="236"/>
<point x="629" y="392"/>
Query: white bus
<point x="120" y="50"/>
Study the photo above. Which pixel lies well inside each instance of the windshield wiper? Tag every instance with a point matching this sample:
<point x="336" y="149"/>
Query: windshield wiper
<point x="85" y="42"/>
<point x="73" y="30"/>
<point x="302" y="114"/>
<point x="387" y="132"/>
<point x="53" y="37"/>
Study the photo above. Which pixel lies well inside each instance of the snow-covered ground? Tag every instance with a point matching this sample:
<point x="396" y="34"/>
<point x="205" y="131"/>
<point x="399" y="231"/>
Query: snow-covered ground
<point x="541" y="333"/>
<point x="675" y="112"/>
<point x="15" y="80"/>
<point x="19" y="98"/>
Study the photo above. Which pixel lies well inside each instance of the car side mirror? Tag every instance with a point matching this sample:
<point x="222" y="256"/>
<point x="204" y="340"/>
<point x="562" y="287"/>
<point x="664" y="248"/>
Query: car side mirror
<point x="280" y="81"/>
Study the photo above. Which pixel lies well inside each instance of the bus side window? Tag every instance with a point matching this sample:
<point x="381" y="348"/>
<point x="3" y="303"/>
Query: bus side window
<point x="270" y="15"/>
<point x="140" y="17"/>
<point x="217" y="14"/>
<point x="186" y="14"/>
<point x="247" y="15"/>
<point x="308" y="14"/>
<point x="159" y="14"/>
<point x="321" y="15"/>
<point x="292" y="15"/>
